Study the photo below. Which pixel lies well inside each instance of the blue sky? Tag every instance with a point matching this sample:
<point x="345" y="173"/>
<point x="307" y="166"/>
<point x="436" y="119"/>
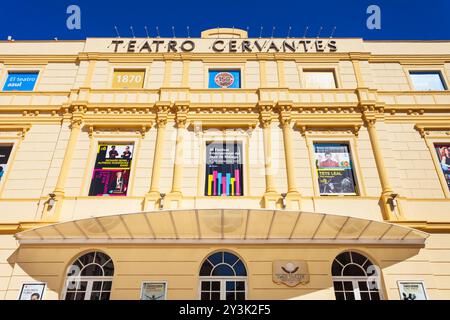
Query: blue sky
<point x="400" y="19"/>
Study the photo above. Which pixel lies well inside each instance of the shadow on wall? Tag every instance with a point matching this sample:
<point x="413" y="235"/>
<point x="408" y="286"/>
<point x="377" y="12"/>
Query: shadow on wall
<point x="49" y="264"/>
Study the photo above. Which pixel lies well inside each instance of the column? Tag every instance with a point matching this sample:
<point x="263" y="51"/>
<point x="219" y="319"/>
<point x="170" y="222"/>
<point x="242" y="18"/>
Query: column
<point x="75" y="128"/>
<point x="153" y="196"/>
<point x="175" y="196"/>
<point x="285" y="121"/>
<point x="281" y="77"/>
<point x="386" y="189"/>
<point x="270" y="198"/>
<point x="368" y="103"/>
<point x="293" y="197"/>
<point x="185" y="77"/>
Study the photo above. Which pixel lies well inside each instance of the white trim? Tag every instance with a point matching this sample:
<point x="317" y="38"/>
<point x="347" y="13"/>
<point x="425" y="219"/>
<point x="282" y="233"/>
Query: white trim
<point x="90" y="281"/>
<point x="355" y="285"/>
<point x="222" y="281"/>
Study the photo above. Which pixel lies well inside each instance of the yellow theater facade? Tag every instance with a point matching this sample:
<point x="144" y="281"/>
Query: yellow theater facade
<point x="224" y="167"/>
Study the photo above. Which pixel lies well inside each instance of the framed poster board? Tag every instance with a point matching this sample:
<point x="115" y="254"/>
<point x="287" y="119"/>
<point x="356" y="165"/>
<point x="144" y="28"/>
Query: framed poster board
<point x="5" y="152"/>
<point x="443" y="154"/>
<point x="154" y="290"/>
<point x="224" y="169"/>
<point x="32" y="291"/>
<point x="334" y="169"/>
<point x="111" y="172"/>
<point x="412" y="290"/>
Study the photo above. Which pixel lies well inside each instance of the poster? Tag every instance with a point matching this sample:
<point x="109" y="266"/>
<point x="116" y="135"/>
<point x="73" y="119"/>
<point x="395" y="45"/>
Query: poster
<point x="32" y="291"/>
<point x="153" y="291"/>
<point x="412" y="290"/>
<point x="112" y="170"/>
<point x="334" y="169"/>
<point x="443" y="154"/>
<point x="224" y="79"/>
<point x="224" y="176"/>
<point x="5" y="152"/>
<point x="20" y="81"/>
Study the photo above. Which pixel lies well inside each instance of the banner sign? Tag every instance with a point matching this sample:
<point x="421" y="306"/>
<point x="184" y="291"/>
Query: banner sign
<point x="5" y="152"/>
<point x="112" y="170"/>
<point x="224" y="79"/>
<point x="20" y="81"/>
<point x="334" y="169"/>
<point x="443" y="154"/>
<point x="224" y="169"/>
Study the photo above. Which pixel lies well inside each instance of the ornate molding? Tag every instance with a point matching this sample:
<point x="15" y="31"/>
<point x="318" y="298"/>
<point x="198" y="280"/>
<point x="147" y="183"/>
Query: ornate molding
<point x="265" y="109"/>
<point x="331" y="127"/>
<point x="181" y="113"/>
<point x="21" y="129"/>
<point x="95" y="127"/>
<point x="425" y="129"/>
<point x="285" y="112"/>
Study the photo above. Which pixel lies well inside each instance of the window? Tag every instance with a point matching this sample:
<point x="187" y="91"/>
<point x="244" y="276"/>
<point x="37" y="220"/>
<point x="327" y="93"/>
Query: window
<point x="5" y="152"/>
<point x="443" y="154"/>
<point x="128" y="79"/>
<point x="319" y="79"/>
<point x="427" y="80"/>
<point x="223" y="175"/>
<point x="224" y="79"/>
<point x="20" y="81"/>
<point x="90" y="277"/>
<point x="223" y="277"/>
<point x="355" y="277"/>
<point x="112" y="170"/>
<point x="334" y="169"/>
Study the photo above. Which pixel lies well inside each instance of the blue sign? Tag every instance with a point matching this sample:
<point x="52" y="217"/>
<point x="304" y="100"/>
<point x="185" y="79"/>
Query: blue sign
<point x="224" y="79"/>
<point x="20" y="81"/>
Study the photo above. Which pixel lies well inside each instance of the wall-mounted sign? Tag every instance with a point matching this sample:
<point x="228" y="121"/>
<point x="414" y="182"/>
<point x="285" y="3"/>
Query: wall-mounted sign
<point x="5" y="152"/>
<point x="224" y="169"/>
<point x="126" y="79"/>
<point x="112" y="170"/>
<point x="20" y="81"/>
<point x="223" y="45"/>
<point x="32" y="291"/>
<point x="154" y="290"/>
<point x="290" y="272"/>
<point x="334" y="168"/>
<point x="443" y="154"/>
<point x="412" y="290"/>
<point x="224" y="79"/>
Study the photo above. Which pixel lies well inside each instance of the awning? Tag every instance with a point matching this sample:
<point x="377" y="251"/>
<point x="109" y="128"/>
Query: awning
<point x="256" y="226"/>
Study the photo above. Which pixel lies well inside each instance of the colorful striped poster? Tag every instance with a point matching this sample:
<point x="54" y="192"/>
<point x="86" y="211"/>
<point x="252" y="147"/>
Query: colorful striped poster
<point x="224" y="169"/>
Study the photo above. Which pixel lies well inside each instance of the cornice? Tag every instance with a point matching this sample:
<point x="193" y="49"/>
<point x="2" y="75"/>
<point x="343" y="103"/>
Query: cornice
<point x="26" y="59"/>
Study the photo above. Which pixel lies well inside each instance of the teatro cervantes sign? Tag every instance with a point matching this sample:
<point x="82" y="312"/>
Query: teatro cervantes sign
<point x="159" y="45"/>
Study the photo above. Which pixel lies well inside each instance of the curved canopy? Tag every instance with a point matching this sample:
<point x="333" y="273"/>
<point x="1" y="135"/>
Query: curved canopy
<point x="224" y="226"/>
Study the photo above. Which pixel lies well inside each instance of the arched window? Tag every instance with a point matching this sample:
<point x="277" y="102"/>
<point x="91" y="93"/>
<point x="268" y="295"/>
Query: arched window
<point x="223" y="277"/>
<point x="89" y="277"/>
<point x="355" y="277"/>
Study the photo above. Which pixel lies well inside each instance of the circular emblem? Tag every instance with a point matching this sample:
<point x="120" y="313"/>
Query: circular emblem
<point x="224" y="79"/>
